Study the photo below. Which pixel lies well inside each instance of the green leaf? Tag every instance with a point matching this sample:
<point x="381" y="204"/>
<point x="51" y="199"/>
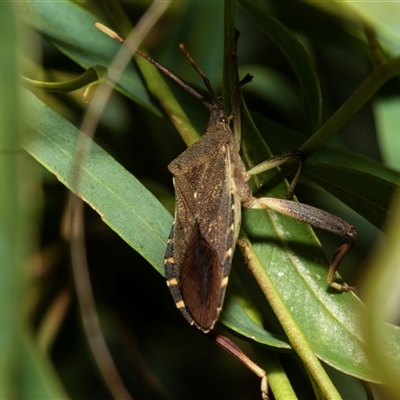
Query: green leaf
<point x="37" y="379"/>
<point x="22" y="374"/>
<point x="366" y="194"/>
<point x="387" y="116"/>
<point x="296" y="55"/>
<point x="70" y="28"/>
<point x="380" y="288"/>
<point x="238" y="314"/>
<point x="383" y="16"/>
<point x="348" y="387"/>
<point x="276" y="89"/>
<point x="91" y="77"/>
<point x="363" y="184"/>
<point x="295" y="262"/>
<point x="10" y="211"/>
<point x="120" y="199"/>
<point x="281" y="138"/>
<point x="324" y="18"/>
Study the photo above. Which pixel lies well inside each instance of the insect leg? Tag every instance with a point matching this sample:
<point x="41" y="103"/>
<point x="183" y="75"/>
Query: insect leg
<point x="233" y="349"/>
<point x="319" y="219"/>
<point x="278" y="160"/>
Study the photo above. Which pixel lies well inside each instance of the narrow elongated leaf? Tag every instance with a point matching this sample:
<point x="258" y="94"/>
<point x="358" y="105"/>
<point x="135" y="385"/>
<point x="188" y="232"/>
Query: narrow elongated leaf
<point x="234" y="316"/>
<point x="10" y="210"/>
<point x="297" y="57"/>
<point x="121" y="200"/>
<point x="38" y="379"/>
<point x="362" y="183"/>
<point x="22" y="374"/>
<point x="383" y="16"/>
<point x="366" y="194"/>
<point x="281" y="138"/>
<point x="70" y="28"/>
<point x="387" y="117"/>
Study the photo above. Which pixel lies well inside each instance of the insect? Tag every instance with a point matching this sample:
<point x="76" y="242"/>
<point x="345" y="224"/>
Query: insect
<point x="211" y="187"/>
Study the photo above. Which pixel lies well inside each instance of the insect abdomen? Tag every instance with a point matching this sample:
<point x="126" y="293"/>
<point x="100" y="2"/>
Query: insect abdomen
<point x="173" y="279"/>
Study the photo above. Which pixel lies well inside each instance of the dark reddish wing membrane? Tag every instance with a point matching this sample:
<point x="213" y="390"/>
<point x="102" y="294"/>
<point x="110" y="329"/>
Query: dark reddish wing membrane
<point x="201" y="278"/>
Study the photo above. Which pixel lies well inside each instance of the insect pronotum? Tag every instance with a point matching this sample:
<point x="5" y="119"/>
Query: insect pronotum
<point x="211" y="187"/>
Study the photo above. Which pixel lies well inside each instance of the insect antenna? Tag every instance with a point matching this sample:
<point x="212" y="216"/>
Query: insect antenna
<point x="206" y="81"/>
<point x="164" y="70"/>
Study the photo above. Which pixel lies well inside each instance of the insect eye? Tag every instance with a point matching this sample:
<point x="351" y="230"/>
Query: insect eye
<point x="224" y="120"/>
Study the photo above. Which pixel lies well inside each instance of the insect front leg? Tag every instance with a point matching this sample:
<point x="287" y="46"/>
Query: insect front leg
<point x="279" y="160"/>
<point x="319" y="219"/>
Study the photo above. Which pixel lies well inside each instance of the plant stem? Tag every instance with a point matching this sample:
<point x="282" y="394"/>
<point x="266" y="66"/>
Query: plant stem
<point x="296" y="337"/>
<point x="229" y="35"/>
<point x="361" y="95"/>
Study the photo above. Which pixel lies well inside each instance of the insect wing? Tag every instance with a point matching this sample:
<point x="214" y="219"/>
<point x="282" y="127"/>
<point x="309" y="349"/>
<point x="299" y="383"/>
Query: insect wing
<point x="202" y="240"/>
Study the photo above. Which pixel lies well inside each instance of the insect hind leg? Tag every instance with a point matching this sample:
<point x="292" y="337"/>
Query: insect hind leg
<point x="318" y="219"/>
